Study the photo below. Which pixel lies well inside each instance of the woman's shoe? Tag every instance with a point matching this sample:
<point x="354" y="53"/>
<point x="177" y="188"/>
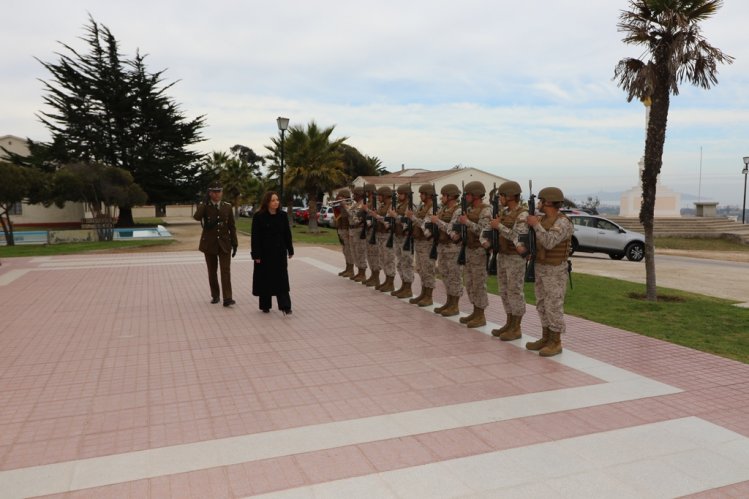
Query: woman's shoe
<point x="286" y="311"/>
<point x="265" y="310"/>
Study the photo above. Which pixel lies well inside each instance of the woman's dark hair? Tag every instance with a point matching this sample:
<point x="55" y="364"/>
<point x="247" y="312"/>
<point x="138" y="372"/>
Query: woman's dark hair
<point x="266" y="200"/>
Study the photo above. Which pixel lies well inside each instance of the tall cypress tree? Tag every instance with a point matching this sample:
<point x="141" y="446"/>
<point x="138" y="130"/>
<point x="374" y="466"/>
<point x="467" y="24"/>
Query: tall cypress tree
<point x="112" y="110"/>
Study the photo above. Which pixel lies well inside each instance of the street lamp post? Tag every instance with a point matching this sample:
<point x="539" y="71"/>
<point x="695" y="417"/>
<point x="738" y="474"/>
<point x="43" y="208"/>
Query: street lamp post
<point x="744" y="171"/>
<point x="283" y="124"/>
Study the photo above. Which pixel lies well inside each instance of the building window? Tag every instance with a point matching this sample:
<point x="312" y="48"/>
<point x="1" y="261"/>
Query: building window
<point x="16" y="209"/>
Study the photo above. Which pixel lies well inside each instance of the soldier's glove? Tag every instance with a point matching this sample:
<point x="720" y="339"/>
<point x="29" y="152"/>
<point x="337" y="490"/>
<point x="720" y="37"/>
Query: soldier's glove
<point x="233" y="251"/>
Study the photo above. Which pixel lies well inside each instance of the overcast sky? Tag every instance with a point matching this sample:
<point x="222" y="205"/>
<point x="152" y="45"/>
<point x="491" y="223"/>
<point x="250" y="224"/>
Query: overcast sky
<point x="520" y="89"/>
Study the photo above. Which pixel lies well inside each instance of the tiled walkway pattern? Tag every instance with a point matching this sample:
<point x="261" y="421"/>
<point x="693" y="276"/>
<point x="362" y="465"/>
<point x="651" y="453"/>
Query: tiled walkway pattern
<point x="119" y="379"/>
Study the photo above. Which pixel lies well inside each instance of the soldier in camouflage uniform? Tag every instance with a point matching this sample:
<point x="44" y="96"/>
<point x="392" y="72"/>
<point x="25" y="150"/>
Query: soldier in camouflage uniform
<point x="342" y="228"/>
<point x="404" y="258"/>
<point x="372" y="250"/>
<point x="358" y="244"/>
<point x="448" y="249"/>
<point x="425" y="266"/>
<point x="553" y="236"/>
<point x="387" y="255"/>
<point x="513" y="231"/>
<point x="477" y="221"/>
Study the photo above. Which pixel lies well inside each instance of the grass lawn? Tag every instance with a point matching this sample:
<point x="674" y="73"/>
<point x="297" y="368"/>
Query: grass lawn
<point x="299" y="233"/>
<point x="72" y="248"/>
<point x="704" y="323"/>
<point x="691" y="243"/>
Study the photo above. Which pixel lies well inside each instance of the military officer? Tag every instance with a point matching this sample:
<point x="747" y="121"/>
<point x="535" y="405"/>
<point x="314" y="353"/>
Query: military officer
<point x="404" y="258"/>
<point x="357" y="219"/>
<point x="372" y="250"/>
<point x="387" y="255"/>
<point x="425" y="266"/>
<point x="343" y="225"/>
<point x="513" y="232"/>
<point x="553" y="236"/>
<point x="477" y="220"/>
<point x="218" y="241"/>
<point x="448" y="249"/>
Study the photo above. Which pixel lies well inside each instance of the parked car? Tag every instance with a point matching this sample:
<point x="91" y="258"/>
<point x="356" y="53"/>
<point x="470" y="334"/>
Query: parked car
<point x="301" y="215"/>
<point x="245" y="210"/>
<point x="595" y="234"/>
<point x="326" y="217"/>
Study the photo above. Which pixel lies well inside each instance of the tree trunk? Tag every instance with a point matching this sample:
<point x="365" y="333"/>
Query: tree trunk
<point x="7" y="229"/>
<point x="654" y="141"/>
<point x="126" y="217"/>
<point x="312" y="228"/>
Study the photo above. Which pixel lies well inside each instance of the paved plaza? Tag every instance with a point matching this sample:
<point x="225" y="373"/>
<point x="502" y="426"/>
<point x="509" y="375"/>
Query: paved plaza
<point x="119" y="379"/>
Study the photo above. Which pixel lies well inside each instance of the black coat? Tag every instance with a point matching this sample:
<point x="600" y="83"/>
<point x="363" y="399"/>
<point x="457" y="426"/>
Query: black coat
<point x="271" y="244"/>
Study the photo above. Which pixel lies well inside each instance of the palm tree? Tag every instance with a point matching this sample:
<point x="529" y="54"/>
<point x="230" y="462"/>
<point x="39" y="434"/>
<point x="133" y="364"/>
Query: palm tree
<point x="313" y="163"/>
<point x="670" y="31"/>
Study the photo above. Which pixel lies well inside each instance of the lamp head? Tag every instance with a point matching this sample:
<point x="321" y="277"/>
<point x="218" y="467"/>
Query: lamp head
<point x="283" y="123"/>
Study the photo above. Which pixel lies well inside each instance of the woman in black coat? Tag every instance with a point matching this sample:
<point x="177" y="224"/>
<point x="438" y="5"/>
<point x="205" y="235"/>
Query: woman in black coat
<point x="271" y="245"/>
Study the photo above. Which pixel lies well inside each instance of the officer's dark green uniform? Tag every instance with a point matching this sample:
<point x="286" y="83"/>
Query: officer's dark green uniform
<point x="218" y="242"/>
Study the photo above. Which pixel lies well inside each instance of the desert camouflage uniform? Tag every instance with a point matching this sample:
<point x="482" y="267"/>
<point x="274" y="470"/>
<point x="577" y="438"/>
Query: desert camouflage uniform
<point x="425" y="266"/>
<point x="404" y="259"/>
<point x="343" y="228"/>
<point x="447" y="251"/>
<point x="511" y="266"/>
<point x="358" y="245"/>
<point x="386" y="255"/>
<point x="553" y="236"/>
<point x="479" y="220"/>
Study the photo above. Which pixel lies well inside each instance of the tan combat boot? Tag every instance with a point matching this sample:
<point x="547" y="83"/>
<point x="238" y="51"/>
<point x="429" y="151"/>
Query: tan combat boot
<point x="540" y="343"/>
<point x="340" y="274"/>
<point x="387" y="286"/>
<point x="417" y="299"/>
<point x="448" y="302"/>
<point x="426" y="300"/>
<point x="553" y="345"/>
<point x="349" y="272"/>
<point x="467" y="318"/>
<point x="374" y="279"/>
<point x="452" y="307"/>
<point x="478" y="320"/>
<point x="405" y="291"/>
<point x="395" y="293"/>
<point x="360" y="276"/>
<point x="497" y="332"/>
<point x="513" y="332"/>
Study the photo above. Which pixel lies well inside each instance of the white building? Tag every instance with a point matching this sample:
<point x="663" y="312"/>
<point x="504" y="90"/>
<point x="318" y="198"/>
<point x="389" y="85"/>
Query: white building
<point x="24" y="214"/>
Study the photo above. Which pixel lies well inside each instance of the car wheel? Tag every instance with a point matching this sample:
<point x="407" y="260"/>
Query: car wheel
<point x="635" y="251"/>
<point x="573" y="246"/>
<point x="616" y="256"/>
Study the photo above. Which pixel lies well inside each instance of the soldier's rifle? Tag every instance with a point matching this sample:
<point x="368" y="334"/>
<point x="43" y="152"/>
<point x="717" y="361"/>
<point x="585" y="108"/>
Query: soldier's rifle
<point x="392" y="220"/>
<point x="373" y="219"/>
<point x="408" y="244"/>
<point x="463" y="228"/>
<point x="530" y="265"/>
<point x="492" y="265"/>
<point x="363" y="234"/>
<point x="432" y="228"/>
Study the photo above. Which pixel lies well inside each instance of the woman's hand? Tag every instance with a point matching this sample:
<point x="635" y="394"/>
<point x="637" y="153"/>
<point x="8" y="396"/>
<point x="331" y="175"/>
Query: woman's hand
<point x="290" y="256"/>
<point x="257" y="260"/>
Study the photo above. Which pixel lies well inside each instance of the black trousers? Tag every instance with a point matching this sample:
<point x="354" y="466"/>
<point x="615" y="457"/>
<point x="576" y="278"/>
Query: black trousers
<point x="283" y="300"/>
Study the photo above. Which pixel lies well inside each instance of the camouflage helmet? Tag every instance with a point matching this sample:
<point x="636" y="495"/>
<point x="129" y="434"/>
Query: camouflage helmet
<point x="358" y="191"/>
<point x="509" y="188"/>
<point x="475" y="188"/>
<point x="450" y="190"/>
<point x="385" y="191"/>
<point x="370" y="188"/>
<point x="427" y="189"/>
<point x="404" y="189"/>
<point x="344" y="193"/>
<point x="551" y="194"/>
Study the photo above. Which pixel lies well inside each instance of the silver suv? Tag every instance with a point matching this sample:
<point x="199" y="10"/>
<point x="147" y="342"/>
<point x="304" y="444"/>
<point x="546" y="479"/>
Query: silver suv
<point x="595" y="234"/>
